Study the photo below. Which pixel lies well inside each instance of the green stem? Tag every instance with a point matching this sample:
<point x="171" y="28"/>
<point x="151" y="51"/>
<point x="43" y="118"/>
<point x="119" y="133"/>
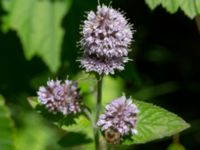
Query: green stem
<point x="98" y="109"/>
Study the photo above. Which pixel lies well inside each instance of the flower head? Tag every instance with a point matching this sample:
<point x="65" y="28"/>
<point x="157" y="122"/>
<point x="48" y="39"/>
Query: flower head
<point x="60" y="97"/>
<point x="106" y="36"/>
<point x="120" y="117"/>
<point x="106" y="33"/>
<point x="103" y="65"/>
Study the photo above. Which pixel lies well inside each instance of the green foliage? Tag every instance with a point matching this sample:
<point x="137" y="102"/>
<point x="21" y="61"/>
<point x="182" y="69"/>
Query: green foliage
<point x="155" y="123"/>
<point x="190" y="8"/>
<point x="75" y="125"/>
<point x="176" y="146"/>
<point x="6" y="127"/>
<point x="36" y="134"/>
<point x="38" y="24"/>
<point x="74" y="139"/>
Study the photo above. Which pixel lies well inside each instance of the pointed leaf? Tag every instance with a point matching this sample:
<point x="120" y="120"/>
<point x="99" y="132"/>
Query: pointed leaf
<point x="153" y="3"/>
<point x="171" y="5"/>
<point x="38" y="24"/>
<point x="155" y="123"/>
<point x="6" y="127"/>
<point x="189" y="8"/>
<point x="33" y="101"/>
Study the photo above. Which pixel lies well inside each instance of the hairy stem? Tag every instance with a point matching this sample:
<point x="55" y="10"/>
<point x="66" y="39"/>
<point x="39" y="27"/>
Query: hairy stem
<point x="98" y="109"/>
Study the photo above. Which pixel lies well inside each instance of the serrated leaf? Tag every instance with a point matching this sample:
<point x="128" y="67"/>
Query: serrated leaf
<point x="189" y="8"/>
<point x="155" y="123"/>
<point x="153" y="3"/>
<point x="171" y="5"/>
<point x="38" y="24"/>
<point x="74" y="139"/>
<point x="6" y="127"/>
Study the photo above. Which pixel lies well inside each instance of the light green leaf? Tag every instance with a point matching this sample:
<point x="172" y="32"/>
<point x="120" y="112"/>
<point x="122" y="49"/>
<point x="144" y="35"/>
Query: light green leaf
<point x="197" y="4"/>
<point x="171" y="5"/>
<point x="189" y="8"/>
<point x="155" y="123"/>
<point x="33" y="101"/>
<point x="35" y="135"/>
<point x="6" y="127"/>
<point x="38" y="24"/>
<point x="153" y="3"/>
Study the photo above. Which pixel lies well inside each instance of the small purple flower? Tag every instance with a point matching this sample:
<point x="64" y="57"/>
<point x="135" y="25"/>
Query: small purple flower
<point x="120" y="117"/>
<point x="60" y="97"/>
<point x="103" y="65"/>
<point x="106" y="33"/>
<point x="106" y="37"/>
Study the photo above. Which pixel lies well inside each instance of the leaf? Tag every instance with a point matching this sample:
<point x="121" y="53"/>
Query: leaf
<point x="58" y="118"/>
<point x="155" y="123"/>
<point x="171" y="5"/>
<point x="189" y="8"/>
<point x="82" y="126"/>
<point x="38" y="24"/>
<point x="197" y="4"/>
<point x="153" y="3"/>
<point x="74" y="139"/>
<point x="35" y="134"/>
<point x="33" y="101"/>
<point x="6" y="127"/>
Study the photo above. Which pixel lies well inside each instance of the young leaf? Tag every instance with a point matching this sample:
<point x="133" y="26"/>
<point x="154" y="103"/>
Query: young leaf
<point x="6" y="127"/>
<point x="155" y="123"/>
<point x="38" y="24"/>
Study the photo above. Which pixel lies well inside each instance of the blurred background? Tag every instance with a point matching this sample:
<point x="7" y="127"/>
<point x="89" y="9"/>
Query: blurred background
<point x="38" y="40"/>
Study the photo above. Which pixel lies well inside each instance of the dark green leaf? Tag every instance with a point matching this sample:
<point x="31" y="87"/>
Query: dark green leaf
<point x="74" y="139"/>
<point x="82" y="125"/>
<point x="155" y="123"/>
<point x="58" y="118"/>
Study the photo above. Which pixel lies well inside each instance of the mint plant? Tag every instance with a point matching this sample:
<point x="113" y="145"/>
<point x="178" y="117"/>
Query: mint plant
<point x="106" y="37"/>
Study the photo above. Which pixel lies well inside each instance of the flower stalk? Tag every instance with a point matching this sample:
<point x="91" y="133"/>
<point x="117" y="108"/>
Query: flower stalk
<point x="98" y="109"/>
